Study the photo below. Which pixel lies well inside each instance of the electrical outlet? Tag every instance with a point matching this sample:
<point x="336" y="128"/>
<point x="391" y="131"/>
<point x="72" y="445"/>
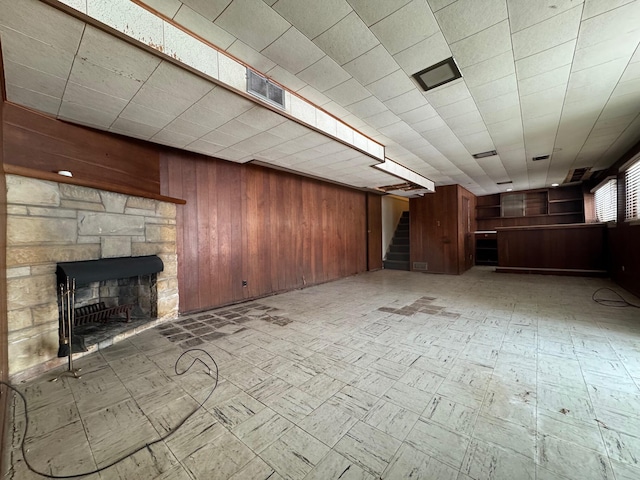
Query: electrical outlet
<point x="244" y="283"/>
<point x="623" y="268"/>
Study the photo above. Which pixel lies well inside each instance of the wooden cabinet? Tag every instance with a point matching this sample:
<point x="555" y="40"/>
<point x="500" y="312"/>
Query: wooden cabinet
<point x="550" y="206"/>
<point x="442" y="226"/>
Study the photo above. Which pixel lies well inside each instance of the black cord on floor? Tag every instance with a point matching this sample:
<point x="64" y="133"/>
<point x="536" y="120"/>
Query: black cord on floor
<point x="142" y="447"/>
<point x="612" y="302"/>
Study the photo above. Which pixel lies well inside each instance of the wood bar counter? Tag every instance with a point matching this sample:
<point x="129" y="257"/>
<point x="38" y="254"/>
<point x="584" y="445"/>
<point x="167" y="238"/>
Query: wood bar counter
<point x="572" y="249"/>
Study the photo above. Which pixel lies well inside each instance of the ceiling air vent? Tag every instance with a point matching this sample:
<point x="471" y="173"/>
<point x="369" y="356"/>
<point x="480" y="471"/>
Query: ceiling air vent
<point x="490" y="153"/>
<point x="578" y="175"/>
<point x="540" y="157"/>
<point x="265" y="89"/>
<point x="504" y="183"/>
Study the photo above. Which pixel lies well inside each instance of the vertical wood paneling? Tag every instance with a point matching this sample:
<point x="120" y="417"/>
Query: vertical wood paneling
<point x="437" y="231"/>
<point x="374" y="231"/>
<point x="275" y="230"/>
<point x="40" y="142"/>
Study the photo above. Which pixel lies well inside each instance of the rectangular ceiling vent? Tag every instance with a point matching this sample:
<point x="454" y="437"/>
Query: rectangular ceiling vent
<point x="578" y="175"/>
<point x="504" y="183"/>
<point x="490" y="153"/>
<point x="540" y="157"/>
<point x="265" y="89"/>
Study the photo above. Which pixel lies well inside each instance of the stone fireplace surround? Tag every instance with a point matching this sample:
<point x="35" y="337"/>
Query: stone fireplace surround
<point x="50" y="222"/>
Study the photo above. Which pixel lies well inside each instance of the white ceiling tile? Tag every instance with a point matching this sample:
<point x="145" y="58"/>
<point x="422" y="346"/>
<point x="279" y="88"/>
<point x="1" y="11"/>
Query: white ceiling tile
<point x="179" y="82"/>
<point x="259" y="29"/>
<point x="447" y="94"/>
<point x="423" y="54"/>
<point x="312" y="17"/>
<point x="346" y="40"/>
<point x="61" y="31"/>
<point x="418" y="114"/>
<point x="372" y="11"/>
<point x="525" y="13"/>
<point x="545" y="35"/>
<point x="391" y="86"/>
<point x="97" y="78"/>
<point x="80" y="5"/>
<point x="382" y="119"/>
<point x="285" y="78"/>
<point x="260" y="118"/>
<point x="348" y="92"/>
<point x="190" y="51"/>
<point x="459" y="108"/>
<point x="232" y="73"/>
<point x="620" y="47"/>
<point x="467" y="123"/>
<point x="29" y="98"/>
<point x="293" y="51"/>
<point x="439" y="4"/>
<point x="130" y="19"/>
<point x="367" y="107"/>
<point x="225" y="103"/>
<point x="483" y="45"/>
<point x="314" y="96"/>
<point x="132" y="128"/>
<point x="205" y="117"/>
<point x="204" y="147"/>
<point x="511" y="113"/>
<point x="596" y="7"/>
<point x="250" y="56"/>
<point x="406" y="102"/>
<point x="428" y="124"/>
<point x="543" y="102"/>
<point x="113" y="54"/>
<point x="145" y="115"/>
<point x="303" y="111"/>
<point x="407" y="26"/>
<point x="258" y="143"/>
<point x="210" y="9"/>
<point x="326" y="123"/>
<point x="172" y="139"/>
<point x="489" y="70"/>
<point x="466" y="17"/>
<point x="544" y="81"/>
<point x="614" y="24"/>
<point x="168" y="8"/>
<point x="336" y="110"/>
<point x="477" y="142"/>
<point x="34" y="80"/>
<point x="111" y="106"/>
<point x="32" y="53"/>
<point x="372" y="65"/>
<point x="324" y="74"/>
<point x="288" y="130"/>
<point x="496" y="88"/>
<point x="203" y="27"/>
<point x="547" y="60"/>
<point x="160" y="100"/>
<point x="180" y="125"/>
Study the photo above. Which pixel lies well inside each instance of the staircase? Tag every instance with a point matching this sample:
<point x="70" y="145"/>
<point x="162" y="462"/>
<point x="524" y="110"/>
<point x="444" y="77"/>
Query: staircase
<point x="398" y="255"/>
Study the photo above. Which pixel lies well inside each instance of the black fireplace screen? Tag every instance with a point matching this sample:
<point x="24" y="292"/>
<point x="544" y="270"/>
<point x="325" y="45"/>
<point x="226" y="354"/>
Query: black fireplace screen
<point x="108" y="269"/>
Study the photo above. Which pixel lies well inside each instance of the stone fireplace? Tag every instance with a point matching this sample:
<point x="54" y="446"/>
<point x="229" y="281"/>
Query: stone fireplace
<point x="50" y="223"/>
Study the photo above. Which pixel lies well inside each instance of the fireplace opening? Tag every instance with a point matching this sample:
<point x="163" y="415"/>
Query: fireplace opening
<point x="111" y="296"/>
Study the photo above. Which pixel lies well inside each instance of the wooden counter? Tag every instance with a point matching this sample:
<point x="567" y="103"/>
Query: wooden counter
<point x="573" y="249"/>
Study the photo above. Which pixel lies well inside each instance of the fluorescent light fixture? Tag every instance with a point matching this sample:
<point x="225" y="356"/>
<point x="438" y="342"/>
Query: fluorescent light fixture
<point x="555" y="184"/>
<point x="509" y="189"/>
<point x="400" y="171"/>
<point x="438" y="74"/>
<point x="65" y="173"/>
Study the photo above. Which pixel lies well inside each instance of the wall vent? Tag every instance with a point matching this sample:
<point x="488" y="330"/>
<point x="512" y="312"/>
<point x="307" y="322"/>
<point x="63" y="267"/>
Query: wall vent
<point x="420" y="266"/>
<point x="265" y="89"/>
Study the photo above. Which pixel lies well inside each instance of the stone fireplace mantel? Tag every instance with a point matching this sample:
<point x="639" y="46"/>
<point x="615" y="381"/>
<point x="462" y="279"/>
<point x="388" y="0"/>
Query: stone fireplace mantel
<point x="49" y="223"/>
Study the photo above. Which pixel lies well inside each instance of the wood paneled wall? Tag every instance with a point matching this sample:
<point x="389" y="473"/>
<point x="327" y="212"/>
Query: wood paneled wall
<point x="274" y="230"/>
<point x="374" y="231"/>
<point x="439" y="232"/>
<point x="40" y="142"/>
<point x="557" y="247"/>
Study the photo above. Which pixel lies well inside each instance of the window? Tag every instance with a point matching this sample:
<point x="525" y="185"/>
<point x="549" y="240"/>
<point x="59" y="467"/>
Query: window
<point x="606" y="198"/>
<point x="632" y="182"/>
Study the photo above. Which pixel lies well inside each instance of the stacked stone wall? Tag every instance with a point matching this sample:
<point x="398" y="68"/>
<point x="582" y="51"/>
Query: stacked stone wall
<point x="49" y="222"/>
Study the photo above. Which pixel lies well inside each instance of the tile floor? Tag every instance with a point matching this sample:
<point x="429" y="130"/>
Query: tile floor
<point x="386" y="375"/>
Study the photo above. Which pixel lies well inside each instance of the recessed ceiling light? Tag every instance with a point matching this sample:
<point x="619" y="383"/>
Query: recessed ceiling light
<point x="438" y="74"/>
<point x="555" y="184"/>
<point x="509" y="189"/>
<point x="489" y="153"/>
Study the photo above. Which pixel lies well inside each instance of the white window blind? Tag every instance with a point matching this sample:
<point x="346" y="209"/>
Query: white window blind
<point x="632" y="182"/>
<point x="606" y="198"/>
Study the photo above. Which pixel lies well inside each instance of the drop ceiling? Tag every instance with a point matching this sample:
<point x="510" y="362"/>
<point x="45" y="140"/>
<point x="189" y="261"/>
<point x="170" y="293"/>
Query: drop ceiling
<point x="559" y="78"/>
